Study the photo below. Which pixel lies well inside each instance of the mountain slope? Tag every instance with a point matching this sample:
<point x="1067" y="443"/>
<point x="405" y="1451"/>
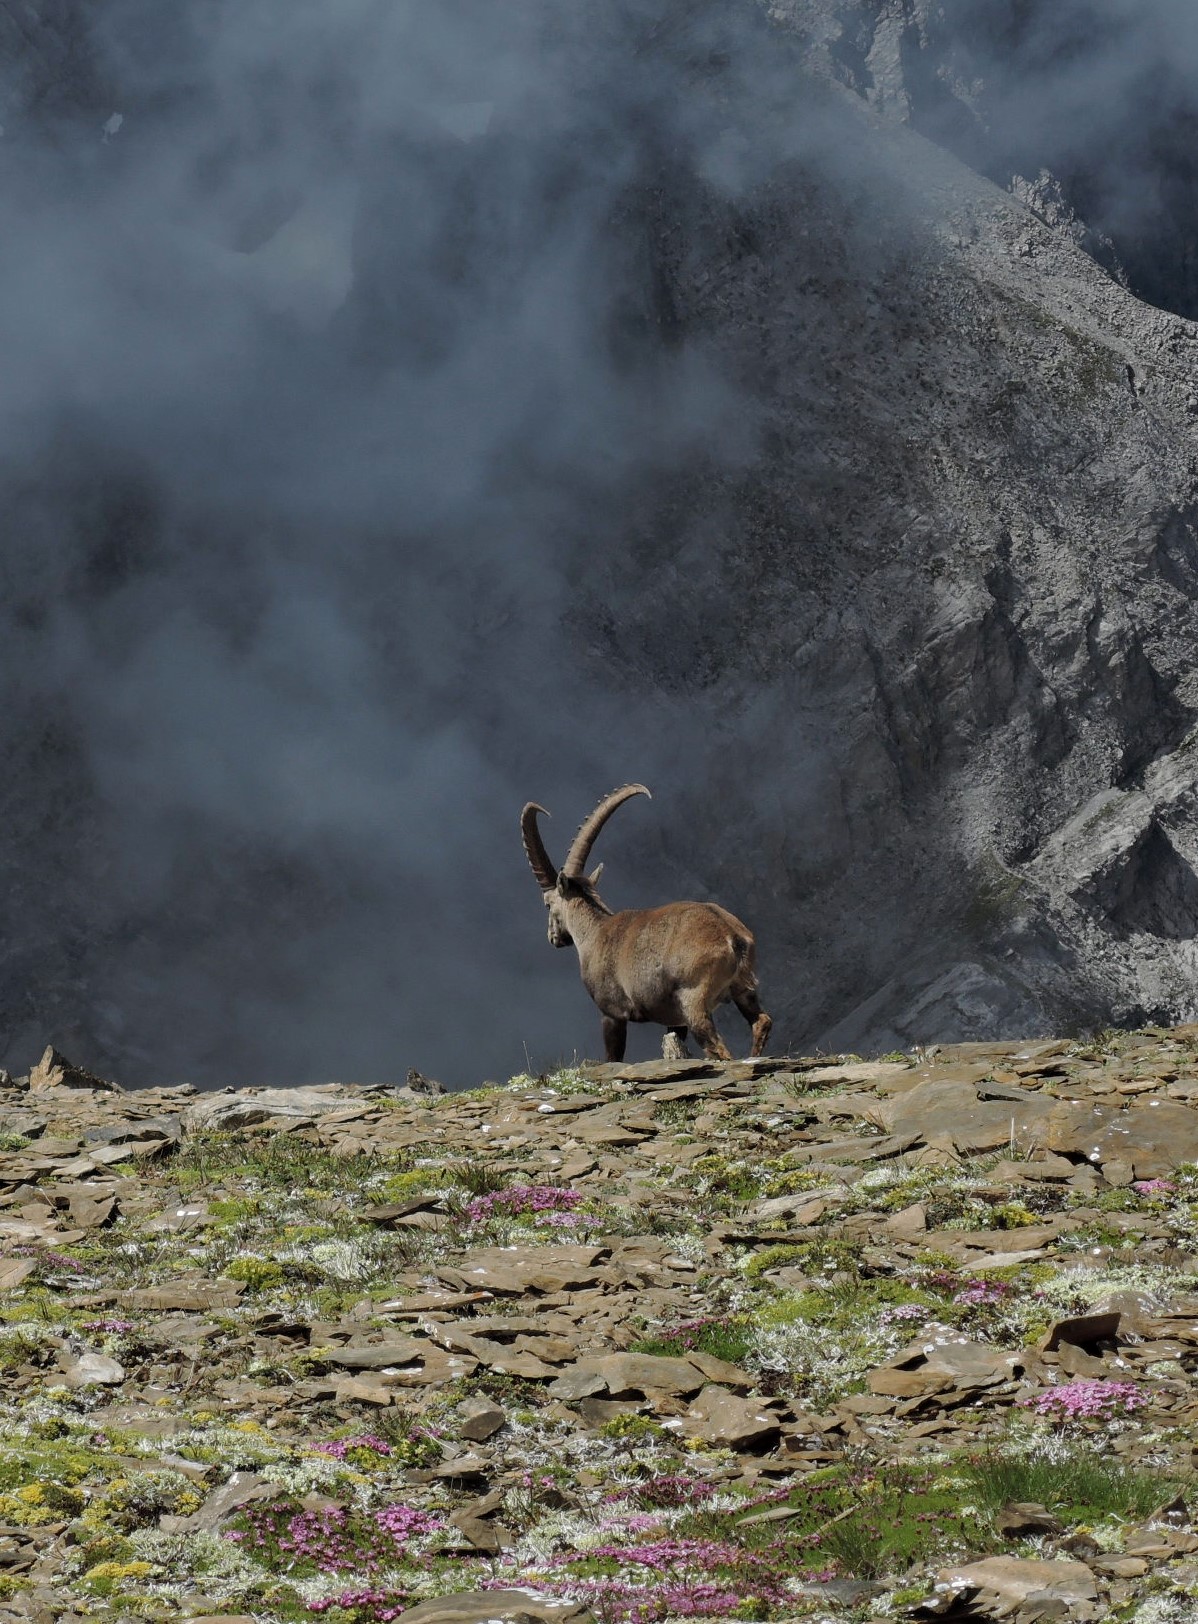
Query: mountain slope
<point x="949" y="602"/>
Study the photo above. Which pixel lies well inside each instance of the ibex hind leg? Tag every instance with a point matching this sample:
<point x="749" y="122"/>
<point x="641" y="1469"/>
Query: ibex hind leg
<point x="702" y="1025"/>
<point x="757" y="1018"/>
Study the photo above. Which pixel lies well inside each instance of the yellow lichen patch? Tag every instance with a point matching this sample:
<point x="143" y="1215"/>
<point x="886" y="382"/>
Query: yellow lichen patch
<point x="27" y="1507"/>
<point x="121" y="1570"/>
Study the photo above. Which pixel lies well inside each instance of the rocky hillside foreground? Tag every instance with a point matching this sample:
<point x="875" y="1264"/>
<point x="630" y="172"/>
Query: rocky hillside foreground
<point x="814" y="1339"/>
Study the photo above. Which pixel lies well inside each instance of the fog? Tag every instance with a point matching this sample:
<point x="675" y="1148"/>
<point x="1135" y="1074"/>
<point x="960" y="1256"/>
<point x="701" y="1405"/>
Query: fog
<point x="333" y="345"/>
<point x="340" y="349"/>
<point x="1103" y="94"/>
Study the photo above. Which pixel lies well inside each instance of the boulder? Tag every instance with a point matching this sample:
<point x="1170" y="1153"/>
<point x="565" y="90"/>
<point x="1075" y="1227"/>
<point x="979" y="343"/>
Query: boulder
<point x="480" y="1419"/>
<point x="54" y="1070"/>
<point x="225" y="1112"/>
<point x="92" y="1370"/>
<point x="1154" y="1136"/>
<point x="741" y="1424"/>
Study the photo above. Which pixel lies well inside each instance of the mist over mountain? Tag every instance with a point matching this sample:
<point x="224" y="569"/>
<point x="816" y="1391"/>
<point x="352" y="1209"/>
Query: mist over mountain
<point x="410" y="411"/>
<point x="1092" y="104"/>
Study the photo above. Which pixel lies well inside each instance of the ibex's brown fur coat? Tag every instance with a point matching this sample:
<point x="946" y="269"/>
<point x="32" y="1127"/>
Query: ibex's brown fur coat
<point x="672" y="965"/>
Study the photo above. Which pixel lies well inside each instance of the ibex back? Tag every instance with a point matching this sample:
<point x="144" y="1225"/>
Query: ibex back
<point x="673" y="965"/>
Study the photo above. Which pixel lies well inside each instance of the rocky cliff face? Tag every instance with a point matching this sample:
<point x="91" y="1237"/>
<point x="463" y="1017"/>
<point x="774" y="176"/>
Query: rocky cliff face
<point x="1087" y="112"/>
<point x="905" y="625"/>
<point x="959" y="595"/>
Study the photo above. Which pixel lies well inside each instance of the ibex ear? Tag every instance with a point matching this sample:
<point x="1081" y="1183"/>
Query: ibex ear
<point x="593" y="877"/>
<point x="566" y="887"/>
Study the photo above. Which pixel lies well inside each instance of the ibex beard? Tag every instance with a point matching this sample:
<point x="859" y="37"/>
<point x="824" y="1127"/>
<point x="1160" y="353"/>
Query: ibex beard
<point x="672" y="965"/>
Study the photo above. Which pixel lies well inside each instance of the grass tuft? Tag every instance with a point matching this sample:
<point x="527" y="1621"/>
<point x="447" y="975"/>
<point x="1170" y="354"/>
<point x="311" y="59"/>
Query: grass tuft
<point x="1080" y="1487"/>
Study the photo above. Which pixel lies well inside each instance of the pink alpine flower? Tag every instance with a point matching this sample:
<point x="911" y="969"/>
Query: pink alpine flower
<point x="339" y="1448"/>
<point x="540" y="1201"/>
<point x="979" y="1293"/>
<point x="1085" y="1400"/>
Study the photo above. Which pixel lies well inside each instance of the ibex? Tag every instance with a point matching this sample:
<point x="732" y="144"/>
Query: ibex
<point x="673" y="964"/>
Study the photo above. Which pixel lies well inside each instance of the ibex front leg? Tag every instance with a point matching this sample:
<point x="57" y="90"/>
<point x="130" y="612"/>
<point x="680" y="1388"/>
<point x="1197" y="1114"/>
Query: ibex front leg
<point x="615" y="1037"/>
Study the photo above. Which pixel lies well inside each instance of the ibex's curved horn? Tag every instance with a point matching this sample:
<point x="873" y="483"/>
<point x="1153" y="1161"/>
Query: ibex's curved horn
<point x="534" y="847"/>
<point x="587" y="835"/>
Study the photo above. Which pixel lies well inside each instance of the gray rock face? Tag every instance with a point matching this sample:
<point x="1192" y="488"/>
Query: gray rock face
<point x="1085" y="114"/>
<point x="972" y="622"/>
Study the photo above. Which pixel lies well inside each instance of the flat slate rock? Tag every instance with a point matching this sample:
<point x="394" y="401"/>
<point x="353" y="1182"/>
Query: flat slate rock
<point x="974" y="1126"/>
<point x="1014" y="1579"/>
<point x="245" y="1109"/>
<point x="1153" y="1137"/>
<point x="496" y="1607"/>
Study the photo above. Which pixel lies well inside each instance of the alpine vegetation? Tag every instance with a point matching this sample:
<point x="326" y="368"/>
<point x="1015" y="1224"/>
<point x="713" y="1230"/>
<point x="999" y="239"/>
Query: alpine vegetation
<point x="674" y="965"/>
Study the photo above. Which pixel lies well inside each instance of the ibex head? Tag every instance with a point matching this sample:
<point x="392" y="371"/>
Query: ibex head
<point x="569" y="885"/>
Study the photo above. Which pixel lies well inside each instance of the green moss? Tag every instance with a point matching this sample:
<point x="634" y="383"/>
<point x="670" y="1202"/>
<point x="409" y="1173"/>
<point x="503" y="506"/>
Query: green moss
<point x="908" y="1595"/>
<point x="109" y="1578"/>
<point x="1099" y="1234"/>
<point x="42" y="1480"/>
<point x="504" y="1389"/>
<point x="935" y="1261"/>
<point x="824" y="1256"/>
<point x="727" y="1337"/>
<point x="1014" y="1215"/>
<point x="1029" y="1276"/>
<point x="282" y="1605"/>
<point x="416" y="1181"/>
<point x="236" y="1209"/>
<point x="27" y="1507"/>
<point x="257" y="1163"/>
<point x="257" y="1272"/>
<point x="843" y="1307"/>
<point x="751" y="1608"/>
<point x="411" y="1439"/>
<point x="773" y="1257"/>
<point x="633" y="1429"/>
<point x="20" y="1348"/>
<point x="783" y="1180"/>
<point x="735" y="1179"/>
<point x="138" y="1500"/>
